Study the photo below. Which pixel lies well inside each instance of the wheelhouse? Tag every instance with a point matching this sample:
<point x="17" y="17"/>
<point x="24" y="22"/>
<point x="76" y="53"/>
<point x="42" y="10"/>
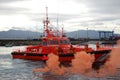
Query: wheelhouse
<point x="55" y="41"/>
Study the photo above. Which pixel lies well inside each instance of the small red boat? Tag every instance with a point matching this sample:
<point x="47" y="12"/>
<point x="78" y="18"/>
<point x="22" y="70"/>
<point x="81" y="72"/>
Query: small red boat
<point x="57" y="43"/>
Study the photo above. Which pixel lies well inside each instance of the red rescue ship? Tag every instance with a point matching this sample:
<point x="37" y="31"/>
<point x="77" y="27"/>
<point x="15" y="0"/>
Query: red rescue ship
<point x="55" y="41"/>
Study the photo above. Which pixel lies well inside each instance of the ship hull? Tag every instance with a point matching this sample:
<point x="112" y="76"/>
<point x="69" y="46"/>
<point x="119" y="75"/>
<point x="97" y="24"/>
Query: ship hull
<point x="40" y="57"/>
<point x="101" y="55"/>
<point x="27" y="56"/>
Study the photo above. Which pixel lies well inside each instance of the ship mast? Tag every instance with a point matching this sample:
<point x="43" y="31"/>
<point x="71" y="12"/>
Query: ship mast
<point x="63" y="34"/>
<point x="46" y="22"/>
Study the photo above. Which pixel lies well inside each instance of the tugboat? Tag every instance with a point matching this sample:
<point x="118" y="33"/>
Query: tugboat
<point x="55" y="41"/>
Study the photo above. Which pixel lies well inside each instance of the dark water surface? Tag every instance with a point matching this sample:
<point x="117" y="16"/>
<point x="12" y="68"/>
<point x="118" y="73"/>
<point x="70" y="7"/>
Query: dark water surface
<point x="17" y="69"/>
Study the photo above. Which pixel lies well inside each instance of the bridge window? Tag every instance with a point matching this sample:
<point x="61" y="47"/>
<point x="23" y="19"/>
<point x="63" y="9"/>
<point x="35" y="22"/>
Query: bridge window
<point x="53" y="42"/>
<point x="44" y="43"/>
<point x="61" y="42"/>
<point x="64" y="41"/>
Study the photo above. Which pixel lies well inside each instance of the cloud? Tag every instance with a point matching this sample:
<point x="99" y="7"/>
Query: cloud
<point x="9" y="10"/>
<point x="102" y="10"/>
<point x="102" y="6"/>
<point x="52" y="16"/>
<point x="8" y="1"/>
<point x="70" y="12"/>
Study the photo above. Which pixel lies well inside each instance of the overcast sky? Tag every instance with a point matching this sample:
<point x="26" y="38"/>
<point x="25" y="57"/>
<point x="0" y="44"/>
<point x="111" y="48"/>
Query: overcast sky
<point x="72" y="14"/>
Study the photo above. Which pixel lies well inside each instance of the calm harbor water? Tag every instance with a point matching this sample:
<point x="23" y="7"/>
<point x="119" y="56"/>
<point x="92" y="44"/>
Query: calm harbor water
<point x="17" y="69"/>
